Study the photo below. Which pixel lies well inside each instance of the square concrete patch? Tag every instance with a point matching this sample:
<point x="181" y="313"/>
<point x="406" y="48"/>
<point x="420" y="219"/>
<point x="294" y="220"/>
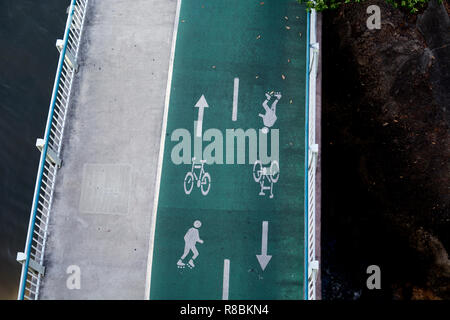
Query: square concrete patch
<point x="105" y="189"/>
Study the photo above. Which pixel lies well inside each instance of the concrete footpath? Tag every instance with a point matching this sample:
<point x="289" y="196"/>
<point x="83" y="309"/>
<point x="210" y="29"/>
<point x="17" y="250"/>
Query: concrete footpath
<point x="101" y="214"/>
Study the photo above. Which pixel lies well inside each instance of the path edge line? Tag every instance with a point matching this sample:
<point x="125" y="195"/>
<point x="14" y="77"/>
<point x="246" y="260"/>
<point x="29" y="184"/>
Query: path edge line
<point x="161" y="155"/>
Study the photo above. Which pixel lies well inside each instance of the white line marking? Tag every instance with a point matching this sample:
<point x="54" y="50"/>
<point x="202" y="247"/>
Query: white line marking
<point x="161" y="154"/>
<point x="226" y="279"/>
<point x="235" y="99"/>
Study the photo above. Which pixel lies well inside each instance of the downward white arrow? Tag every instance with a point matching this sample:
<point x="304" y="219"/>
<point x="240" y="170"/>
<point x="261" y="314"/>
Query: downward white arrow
<point x="201" y="105"/>
<point x="263" y="258"/>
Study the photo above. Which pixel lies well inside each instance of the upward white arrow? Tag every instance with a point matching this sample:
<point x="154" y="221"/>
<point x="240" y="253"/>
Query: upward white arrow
<point x="201" y="105"/>
<point x="263" y="258"/>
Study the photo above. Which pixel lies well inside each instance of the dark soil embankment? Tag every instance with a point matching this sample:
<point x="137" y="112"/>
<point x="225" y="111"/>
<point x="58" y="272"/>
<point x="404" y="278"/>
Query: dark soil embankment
<point x="386" y="146"/>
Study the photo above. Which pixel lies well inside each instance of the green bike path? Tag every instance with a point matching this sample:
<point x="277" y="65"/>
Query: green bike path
<point x="252" y="244"/>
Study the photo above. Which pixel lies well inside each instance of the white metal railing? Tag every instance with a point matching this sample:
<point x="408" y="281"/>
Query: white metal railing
<point x="33" y="257"/>
<point x="313" y="149"/>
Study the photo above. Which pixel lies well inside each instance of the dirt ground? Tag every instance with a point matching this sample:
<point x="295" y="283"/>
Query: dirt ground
<point x="386" y="139"/>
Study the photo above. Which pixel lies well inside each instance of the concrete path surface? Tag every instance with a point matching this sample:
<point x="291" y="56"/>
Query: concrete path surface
<point x="101" y="215"/>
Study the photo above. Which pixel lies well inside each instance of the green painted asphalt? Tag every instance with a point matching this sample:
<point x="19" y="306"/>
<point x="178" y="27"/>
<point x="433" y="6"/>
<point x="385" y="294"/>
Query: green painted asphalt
<point x="264" y="45"/>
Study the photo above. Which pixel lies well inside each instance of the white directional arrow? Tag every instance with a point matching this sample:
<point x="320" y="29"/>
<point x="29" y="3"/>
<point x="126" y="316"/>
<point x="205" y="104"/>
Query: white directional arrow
<point x="201" y="105"/>
<point x="263" y="258"/>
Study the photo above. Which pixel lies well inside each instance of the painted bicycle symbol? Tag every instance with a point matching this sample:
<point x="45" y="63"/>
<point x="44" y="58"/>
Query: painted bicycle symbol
<point x="202" y="180"/>
<point x="271" y="174"/>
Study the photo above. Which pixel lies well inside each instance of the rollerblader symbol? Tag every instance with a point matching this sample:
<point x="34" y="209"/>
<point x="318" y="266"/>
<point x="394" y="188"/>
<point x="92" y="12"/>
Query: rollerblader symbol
<point x="270" y="116"/>
<point x="190" y="240"/>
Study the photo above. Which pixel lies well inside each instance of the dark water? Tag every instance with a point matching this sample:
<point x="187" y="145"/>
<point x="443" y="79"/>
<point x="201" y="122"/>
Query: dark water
<point x="28" y="60"/>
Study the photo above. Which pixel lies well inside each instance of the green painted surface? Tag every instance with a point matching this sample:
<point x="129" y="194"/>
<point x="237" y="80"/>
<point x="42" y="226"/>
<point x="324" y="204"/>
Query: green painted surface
<point x="218" y="41"/>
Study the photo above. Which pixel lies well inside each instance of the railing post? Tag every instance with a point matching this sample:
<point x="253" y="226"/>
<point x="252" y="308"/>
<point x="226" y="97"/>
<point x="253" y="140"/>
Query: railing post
<point x="51" y="154"/>
<point x="22" y="257"/>
<point x="69" y="57"/>
<point x="314" y="152"/>
<point x="313" y="269"/>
